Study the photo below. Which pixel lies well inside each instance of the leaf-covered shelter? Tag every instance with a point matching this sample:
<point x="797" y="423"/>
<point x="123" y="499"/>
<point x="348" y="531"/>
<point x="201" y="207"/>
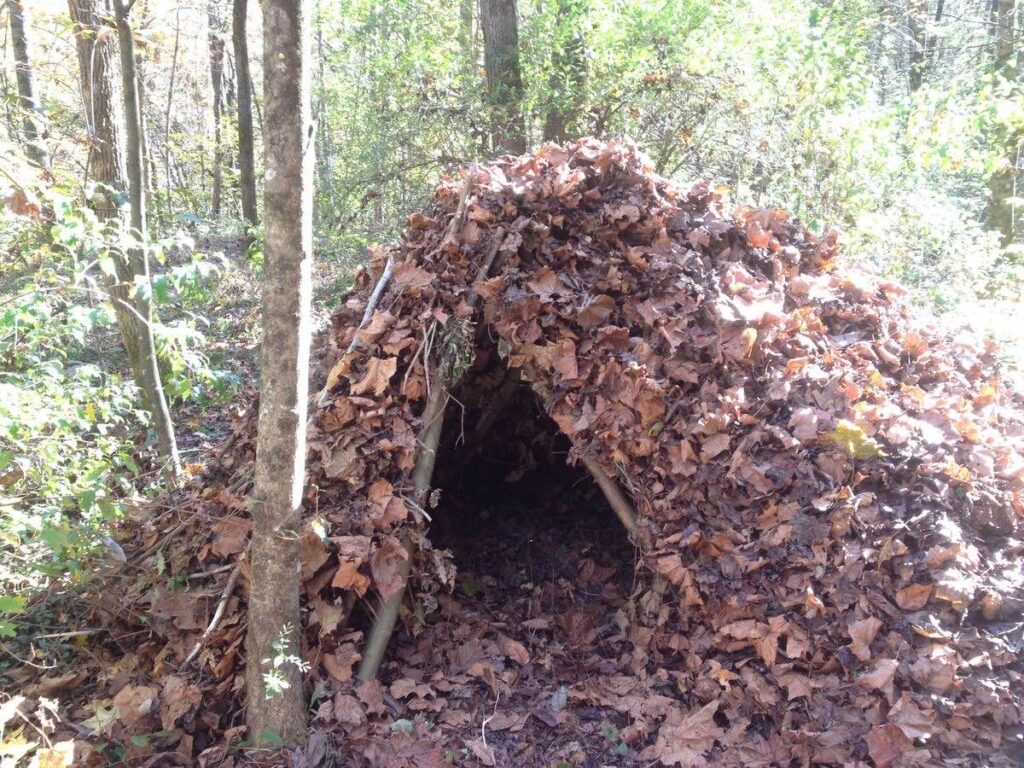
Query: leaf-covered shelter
<point x="824" y="492"/>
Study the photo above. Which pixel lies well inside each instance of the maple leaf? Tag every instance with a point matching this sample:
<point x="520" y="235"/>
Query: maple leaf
<point x="230" y="534"/>
<point x="134" y="702"/>
<point x="885" y="744"/>
<point x="595" y="311"/>
<point x="408" y="275"/>
<point x="713" y="446"/>
<point x="177" y="698"/>
<point x="914" y="597"/>
<point x="880" y="677"/>
<point x="685" y="737"/>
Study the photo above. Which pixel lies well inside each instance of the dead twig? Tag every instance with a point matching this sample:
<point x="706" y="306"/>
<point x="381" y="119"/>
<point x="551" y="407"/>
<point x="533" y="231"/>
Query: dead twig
<point x="483" y="725"/>
<point x="371" y="307"/>
<point x="218" y="614"/>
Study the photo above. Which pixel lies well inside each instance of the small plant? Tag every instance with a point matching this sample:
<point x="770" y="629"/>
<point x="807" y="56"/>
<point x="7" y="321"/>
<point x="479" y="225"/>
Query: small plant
<point x="275" y="680"/>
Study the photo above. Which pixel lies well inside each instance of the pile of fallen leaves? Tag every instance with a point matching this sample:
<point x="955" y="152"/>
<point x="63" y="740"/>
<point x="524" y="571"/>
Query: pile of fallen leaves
<point x="832" y="489"/>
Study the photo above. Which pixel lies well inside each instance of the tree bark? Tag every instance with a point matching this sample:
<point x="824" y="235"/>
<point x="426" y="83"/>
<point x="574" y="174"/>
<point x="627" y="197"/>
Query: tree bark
<point x="216" y="43"/>
<point x="504" y="81"/>
<point x="246" y="151"/>
<point x="104" y="119"/>
<point x="284" y="369"/>
<point x="28" y="100"/>
<point x="568" y="70"/>
<point x="1002" y="183"/>
<point x="917" y="13"/>
<point x="137" y="258"/>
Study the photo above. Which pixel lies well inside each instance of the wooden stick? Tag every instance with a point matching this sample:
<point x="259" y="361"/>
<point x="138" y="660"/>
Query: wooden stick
<point x="460" y="211"/>
<point x="218" y="614"/>
<point x="617" y="500"/>
<point x="384" y="625"/>
<point x="371" y="307"/>
<point x="423" y="472"/>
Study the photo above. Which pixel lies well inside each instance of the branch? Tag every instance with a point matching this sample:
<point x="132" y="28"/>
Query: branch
<point x="617" y="500"/>
<point x="218" y="614"/>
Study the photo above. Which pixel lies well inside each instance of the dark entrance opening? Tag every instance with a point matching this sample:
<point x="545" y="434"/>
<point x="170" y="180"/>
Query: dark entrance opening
<point x="532" y="538"/>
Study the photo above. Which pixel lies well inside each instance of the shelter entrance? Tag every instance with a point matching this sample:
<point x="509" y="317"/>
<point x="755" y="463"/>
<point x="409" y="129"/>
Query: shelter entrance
<point x="516" y="517"/>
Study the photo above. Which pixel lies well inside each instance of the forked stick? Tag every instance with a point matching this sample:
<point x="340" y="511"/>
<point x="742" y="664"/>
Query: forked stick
<point x="423" y="472"/>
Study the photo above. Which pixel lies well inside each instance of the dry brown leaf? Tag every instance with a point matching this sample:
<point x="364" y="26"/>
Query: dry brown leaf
<point x="378" y="375"/>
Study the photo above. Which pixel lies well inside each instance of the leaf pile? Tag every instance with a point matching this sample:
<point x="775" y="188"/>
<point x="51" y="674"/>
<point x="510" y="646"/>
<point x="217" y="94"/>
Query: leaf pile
<point x="832" y="489"/>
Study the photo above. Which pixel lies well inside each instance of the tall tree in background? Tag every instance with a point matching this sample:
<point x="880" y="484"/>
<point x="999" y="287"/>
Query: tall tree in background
<point x="28" y="99"/>
<point x="137" y="257"/>
<point x="504" y="80"/>
<point x="917" y="38"/>
<point x="216" y="40"/>
<point x="1003" y="182"/>
<point x="246" y="152"/>
<point x="279" y="715"/>
<point x="568" y="70"/>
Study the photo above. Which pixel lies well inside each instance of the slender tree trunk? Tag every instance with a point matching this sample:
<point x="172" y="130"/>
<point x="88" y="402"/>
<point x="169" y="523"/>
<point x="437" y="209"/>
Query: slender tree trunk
<point x="1002" y="183"/>
<point x="504" y="81"/>
<point x="27" y="97"/>
<point x="281" y="439"/>
<point x="568" y="70"/>
<point x="137" y="256"/>
<point x="216" y="38"/>
<point x="917" y="13"/>
<point x="246" y="152"/>
<point x="104" y="119"/>
<point x="467" y="39"/>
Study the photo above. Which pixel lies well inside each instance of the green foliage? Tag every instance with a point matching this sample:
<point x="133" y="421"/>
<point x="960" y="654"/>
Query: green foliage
<point x="73" y="438"/>
<point x="275" y="679"/>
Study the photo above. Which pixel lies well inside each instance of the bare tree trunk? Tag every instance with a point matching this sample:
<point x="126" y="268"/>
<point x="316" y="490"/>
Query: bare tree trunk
<point x="504" y="81"/>
<point x="917" y="14"/>
<point x="137" y="257"/>
<point x="284" y="369"/>
<point x="27" y="97"/>
<point x="216" y="38"/>
<point x="568" y="72"/>
<point x="1003" y="182"/>
<point x="104" y="118"/>
<point x="246" y="152"/>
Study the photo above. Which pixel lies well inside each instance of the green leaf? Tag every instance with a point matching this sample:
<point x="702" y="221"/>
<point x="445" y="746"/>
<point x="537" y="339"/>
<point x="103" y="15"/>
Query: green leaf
<point x="402" y="726"/>
<point x="854" y="440"/>
<point x="12" y="604"/>
<point x="272" y="738"/>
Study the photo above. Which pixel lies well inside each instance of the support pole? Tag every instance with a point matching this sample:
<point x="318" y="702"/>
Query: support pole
<point x="618" y="501"/>
<point x="423" y="472"/>
<point x="387" y="615"/>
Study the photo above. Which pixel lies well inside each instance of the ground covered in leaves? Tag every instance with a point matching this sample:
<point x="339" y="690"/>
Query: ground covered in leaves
<point x="830" y="490"/>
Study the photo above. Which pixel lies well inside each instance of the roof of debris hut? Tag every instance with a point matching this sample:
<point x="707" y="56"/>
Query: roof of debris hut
<point x="833" y="488"/>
